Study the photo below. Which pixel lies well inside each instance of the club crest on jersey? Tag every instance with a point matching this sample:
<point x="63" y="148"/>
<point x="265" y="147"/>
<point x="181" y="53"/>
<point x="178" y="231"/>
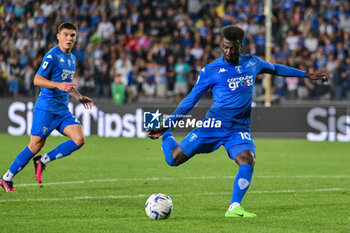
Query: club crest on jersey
<point x="238" y="69"/>
<point x="45" y="130"/>
<point x="193" y="137"/>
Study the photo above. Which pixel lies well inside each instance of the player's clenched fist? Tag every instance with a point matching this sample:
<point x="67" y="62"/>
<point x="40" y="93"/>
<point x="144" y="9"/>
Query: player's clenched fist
<point x="156" y="133"/>
<point x="317" y="76"/>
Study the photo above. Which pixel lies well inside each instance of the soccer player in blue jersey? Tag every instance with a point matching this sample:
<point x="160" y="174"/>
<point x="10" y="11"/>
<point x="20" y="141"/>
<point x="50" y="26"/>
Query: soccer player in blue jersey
<point x="231" y="79"/>
<point x="51" y="112"/>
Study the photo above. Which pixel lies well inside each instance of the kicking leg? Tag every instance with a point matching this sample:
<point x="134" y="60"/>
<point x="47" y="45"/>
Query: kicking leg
<point x="246" y="161"/>
<point x="22" y="159"/>
<point x="194" y="143"/>
<point x="172" y="152"/>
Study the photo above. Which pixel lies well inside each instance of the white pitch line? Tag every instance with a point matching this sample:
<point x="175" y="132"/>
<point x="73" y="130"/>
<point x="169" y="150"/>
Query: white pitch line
<point x="176" y="195"/>
<point x="172" y="178"/>
<point x="303" y="177"/>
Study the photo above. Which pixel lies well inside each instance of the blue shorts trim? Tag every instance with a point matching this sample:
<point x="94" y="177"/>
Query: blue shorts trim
<point x="199" y="145"/>
<point x="44" y="122"/>
<point x="237" y="149"/>
<point x="200" y="141"/>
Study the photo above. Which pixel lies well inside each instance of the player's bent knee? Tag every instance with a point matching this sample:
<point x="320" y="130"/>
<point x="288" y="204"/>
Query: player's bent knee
<point x="34" y="148"/>
<point x="170" y="162"/>
<point x="246" y="157"/>
<point x="36" y="143"/>
<point x="178" y="156"/>
<point x="79" y="141"/>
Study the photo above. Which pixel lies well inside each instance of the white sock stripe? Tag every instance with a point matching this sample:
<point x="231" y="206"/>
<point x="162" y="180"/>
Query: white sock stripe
<point x="233" y="205"/>
<point x="45" y="159"/>
<point x="177" y="195"/>
<point x="8" y="176"/>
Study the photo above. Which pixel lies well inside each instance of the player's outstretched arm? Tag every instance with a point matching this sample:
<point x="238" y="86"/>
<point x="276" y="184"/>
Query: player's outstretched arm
<point x="86" y="101"/>
<point x="202" y="86"/>
<point x="317" y="76"/>
<point x="41" y="81"/>
<point x="287" y="71"/>
<point x="184" y="107"/>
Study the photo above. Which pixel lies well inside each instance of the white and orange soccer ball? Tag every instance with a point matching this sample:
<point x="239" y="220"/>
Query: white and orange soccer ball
<point x="159" y="206"/>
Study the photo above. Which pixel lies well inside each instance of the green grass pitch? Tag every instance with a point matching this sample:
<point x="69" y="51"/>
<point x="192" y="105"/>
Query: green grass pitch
<point x="298" y="186"/>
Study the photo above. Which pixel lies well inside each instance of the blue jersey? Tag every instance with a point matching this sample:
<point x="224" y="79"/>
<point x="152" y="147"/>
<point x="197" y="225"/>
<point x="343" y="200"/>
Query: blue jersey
<point x="56" y="66"/>
<point x="232" y="86"/>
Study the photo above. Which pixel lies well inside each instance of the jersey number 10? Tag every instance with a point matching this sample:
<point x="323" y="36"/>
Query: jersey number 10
<point x="245" y="135"/>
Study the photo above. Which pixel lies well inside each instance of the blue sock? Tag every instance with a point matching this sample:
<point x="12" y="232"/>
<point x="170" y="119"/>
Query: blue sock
<point x="21" y="160"/>
<point x="242" y="182"/>
<point x="168" y="144"/>
<point x="64" y="149"/>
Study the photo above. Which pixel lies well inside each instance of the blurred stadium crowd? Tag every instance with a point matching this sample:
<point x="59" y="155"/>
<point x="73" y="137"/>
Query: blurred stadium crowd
<point x="135" y="50"/>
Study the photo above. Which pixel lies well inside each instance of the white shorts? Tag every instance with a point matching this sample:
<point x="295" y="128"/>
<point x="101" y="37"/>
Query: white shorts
<point x="161" y="90"/>
<point x="149" y="89"/>
<point x="181" y="88"/>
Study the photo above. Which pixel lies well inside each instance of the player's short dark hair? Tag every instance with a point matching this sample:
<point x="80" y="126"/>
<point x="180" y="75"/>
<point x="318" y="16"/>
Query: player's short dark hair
<point x="232" y="33"/>
<point x="66" y="25"/>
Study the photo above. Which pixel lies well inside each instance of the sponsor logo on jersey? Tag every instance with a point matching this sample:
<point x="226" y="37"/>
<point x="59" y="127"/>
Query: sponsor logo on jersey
<point x="45" y="65"/>
<point x="222" y="70"/>
<point x="61" y="60"/>
<point x="66" y="74"/>
<point x="246" y="81"/>
<point x="198" y="79"/>
<point x="250" y="63"/>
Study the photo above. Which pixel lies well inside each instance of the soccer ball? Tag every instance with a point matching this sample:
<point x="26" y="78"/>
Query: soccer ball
<point x="159" y="206"/>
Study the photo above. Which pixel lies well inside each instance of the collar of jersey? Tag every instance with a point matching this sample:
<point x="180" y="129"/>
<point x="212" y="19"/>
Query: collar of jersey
<point x="59" y="49"/>
<point x="241" y="60"/>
